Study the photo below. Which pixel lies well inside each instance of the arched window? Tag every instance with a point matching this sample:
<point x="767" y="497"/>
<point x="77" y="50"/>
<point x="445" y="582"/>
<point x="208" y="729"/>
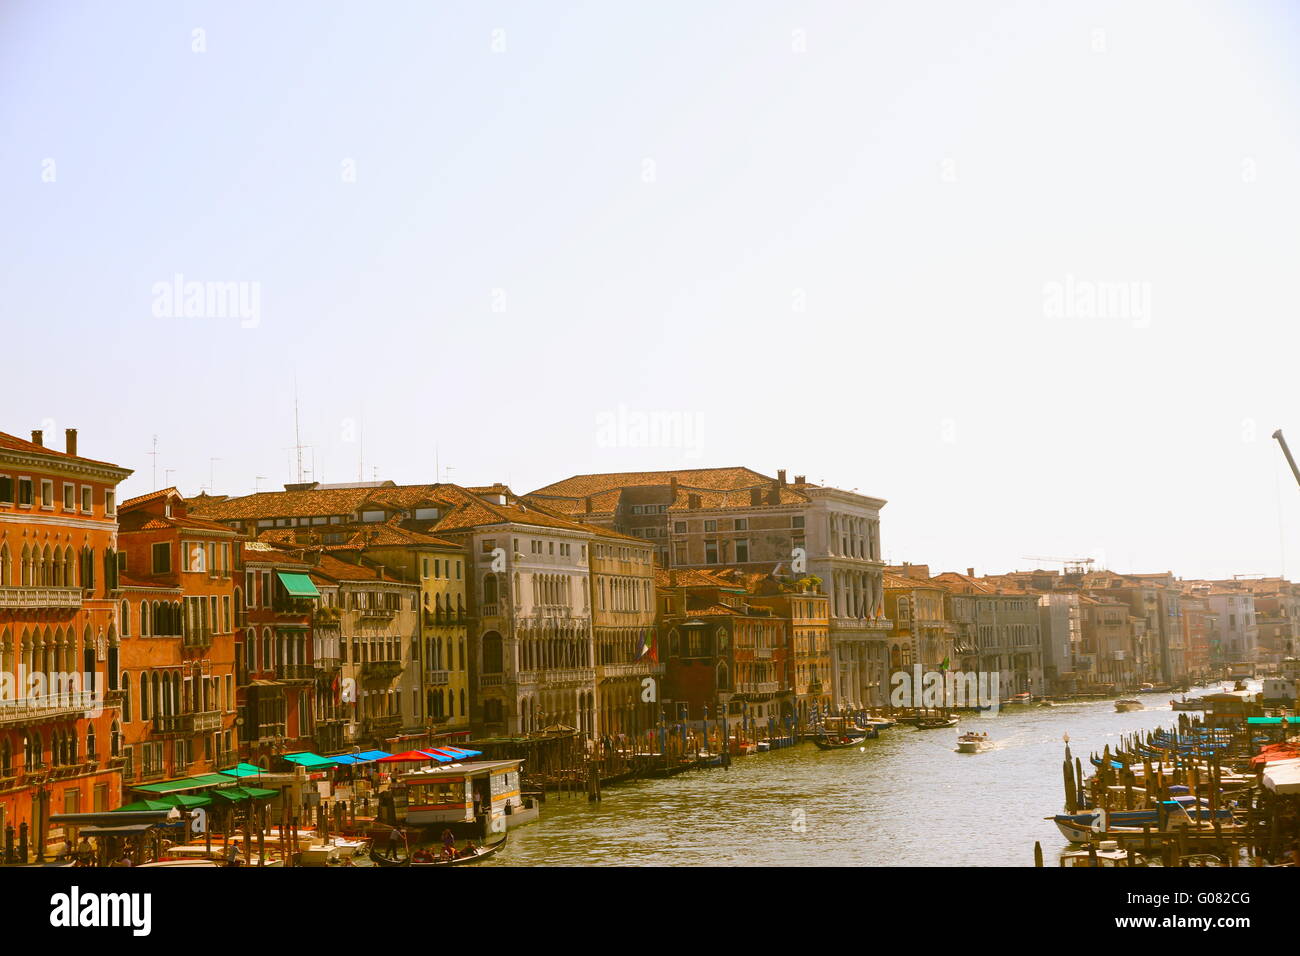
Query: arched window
<point x="91" y="753"/>
<point x="126" y="619"/>
<point x="492" y="653"/>
<point x="490" y="589"/>
<point x="144" y="619"/>
<point x="126" y="697"/>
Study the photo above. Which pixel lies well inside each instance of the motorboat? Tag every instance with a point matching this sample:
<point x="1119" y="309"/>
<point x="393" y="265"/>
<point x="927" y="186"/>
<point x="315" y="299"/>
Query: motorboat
<point x="1124" y="706"/>
<point x="972" y="742"/>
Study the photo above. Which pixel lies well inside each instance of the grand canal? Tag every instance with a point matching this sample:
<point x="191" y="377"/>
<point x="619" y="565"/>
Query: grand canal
<point x="907" y="799"/>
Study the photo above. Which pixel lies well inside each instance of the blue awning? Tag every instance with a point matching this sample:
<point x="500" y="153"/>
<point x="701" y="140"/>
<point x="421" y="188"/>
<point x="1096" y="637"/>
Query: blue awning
<point x="461" y="751"/>
<point x="368" y="756"/>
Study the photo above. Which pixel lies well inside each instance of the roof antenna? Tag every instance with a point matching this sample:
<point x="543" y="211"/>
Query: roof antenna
<point x="297" y="433"/>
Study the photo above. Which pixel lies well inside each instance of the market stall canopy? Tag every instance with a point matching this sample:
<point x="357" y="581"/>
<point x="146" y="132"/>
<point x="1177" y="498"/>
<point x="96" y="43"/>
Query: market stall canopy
<point x="461" y="752"/>
<point x="298" y="585"/>
<point x="1283" y="778"/>
<point x="185" y="783"/>
<point x="311" y="761"/>
<point x="410" y="756"/>
<point x="244" y="770"/>
<point x="439" y="755"/>
<point x="144" y="805"/>
<point x="367" y="756"/>
<point x="185" y="801"/>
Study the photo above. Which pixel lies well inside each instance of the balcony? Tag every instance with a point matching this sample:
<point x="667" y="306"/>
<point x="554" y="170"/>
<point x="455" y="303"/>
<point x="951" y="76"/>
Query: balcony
<point x="558" y="675"/>
<point x="762" y="653"/>
<point x="380" y="670"/>
<point x="376" y="613"/>
<point x="488" y="610"/>
<point x="437" y="678"/>
<point x="295" y="672"/>
<point x="646" y="668"/>
<point x="198" y="640"/>
<point x="198" y="722"/>
<point x="40" y="597"/>
<point x="765" y="688"/>
<point x="28" y="710"/>
<point x="384" y="726"/>
<point x="490" y="680"/>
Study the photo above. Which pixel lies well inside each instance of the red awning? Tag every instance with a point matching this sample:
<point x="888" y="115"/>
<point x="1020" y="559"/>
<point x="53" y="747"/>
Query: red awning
<point x="411" y="756"/>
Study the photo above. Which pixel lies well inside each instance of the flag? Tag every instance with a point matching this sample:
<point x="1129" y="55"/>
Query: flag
<point x="648" y="649"/>
<point x="944" y="665"/>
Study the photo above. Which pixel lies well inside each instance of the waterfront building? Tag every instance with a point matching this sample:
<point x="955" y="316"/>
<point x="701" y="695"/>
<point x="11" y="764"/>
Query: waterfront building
<point x="737" y="517"/>
<point x="60" y="694"/>
<point x="526" y="587"/>
<point x="179" y="612"/>
<point x="379" y="649"/>
<point x="805" y="611"/>
<point x="723" y="654"/>
<point x="1007" y="629"/>
<point x="1106" y="651"/>
<point x="275" y="678"/>
<point x="622" y="582"/>
<point x="1199" y="626"/>
<point x="1158" y="653"/>
<point x="917" y="605"/>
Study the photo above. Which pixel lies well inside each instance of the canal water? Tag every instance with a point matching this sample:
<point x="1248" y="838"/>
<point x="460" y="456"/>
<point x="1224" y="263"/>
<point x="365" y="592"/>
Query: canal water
<point x="907" y="798"/>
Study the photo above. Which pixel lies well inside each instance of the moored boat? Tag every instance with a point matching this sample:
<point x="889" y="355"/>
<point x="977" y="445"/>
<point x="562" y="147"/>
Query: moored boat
<point x="477" y="855"/>
<point x="837" y="742"/>
<point x="937" y="723"/>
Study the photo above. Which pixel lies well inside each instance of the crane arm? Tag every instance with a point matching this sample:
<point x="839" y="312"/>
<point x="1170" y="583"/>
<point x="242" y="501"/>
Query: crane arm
<point x="1287" y="451"/>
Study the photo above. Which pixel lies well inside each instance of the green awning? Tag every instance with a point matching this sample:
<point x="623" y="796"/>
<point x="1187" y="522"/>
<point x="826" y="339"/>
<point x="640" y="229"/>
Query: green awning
<point x="1273" y="721"/>
<point x="298" y="585"/>
<point x="185" y="801"/>
<point x="310" y="760"/>
<point x="243" y="770"/>
<point x="232" y="794"/>
<point x="235" y="794"/>
<point x="143" y="805"/>
<point x="185" y="783"/>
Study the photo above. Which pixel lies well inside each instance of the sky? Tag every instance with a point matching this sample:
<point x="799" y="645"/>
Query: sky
<point x="1024" y="270"/>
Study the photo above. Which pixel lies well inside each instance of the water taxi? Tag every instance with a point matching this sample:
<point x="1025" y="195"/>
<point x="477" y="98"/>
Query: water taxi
<point x="1124" y="706"/>
<point x="973" y="743"/>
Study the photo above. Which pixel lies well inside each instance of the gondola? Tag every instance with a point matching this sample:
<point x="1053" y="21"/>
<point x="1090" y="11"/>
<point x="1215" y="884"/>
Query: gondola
<point x="838" y="743"/>
<point x="936" y="723"/>
<point x="482" y="853"/>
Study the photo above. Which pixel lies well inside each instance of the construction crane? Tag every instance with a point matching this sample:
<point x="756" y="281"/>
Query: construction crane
<point x="1287" y="451"/>
<point x="1072" y="565"/>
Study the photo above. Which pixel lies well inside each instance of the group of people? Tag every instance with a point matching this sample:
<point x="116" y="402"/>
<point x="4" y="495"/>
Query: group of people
<point x="85" y="855"/>
<point x="426" y="855"/>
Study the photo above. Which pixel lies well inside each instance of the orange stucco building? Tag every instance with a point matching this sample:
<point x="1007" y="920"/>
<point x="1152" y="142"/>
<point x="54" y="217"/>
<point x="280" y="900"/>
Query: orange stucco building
<point x="60" y="734"/>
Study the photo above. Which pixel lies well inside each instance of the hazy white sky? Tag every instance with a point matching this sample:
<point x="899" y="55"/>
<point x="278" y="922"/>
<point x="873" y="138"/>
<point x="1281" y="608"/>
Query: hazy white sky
<point x="1025" y="270"/>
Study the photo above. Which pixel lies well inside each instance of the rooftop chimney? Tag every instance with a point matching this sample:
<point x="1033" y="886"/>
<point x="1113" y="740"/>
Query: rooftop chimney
<point x="672" y="485"/>
<point x="970" y="572"/>
<point x="38" y="437"/>
<point x="71" y="433"/>
<point x="587" y="502"/>
<point x="693" y="501"/>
